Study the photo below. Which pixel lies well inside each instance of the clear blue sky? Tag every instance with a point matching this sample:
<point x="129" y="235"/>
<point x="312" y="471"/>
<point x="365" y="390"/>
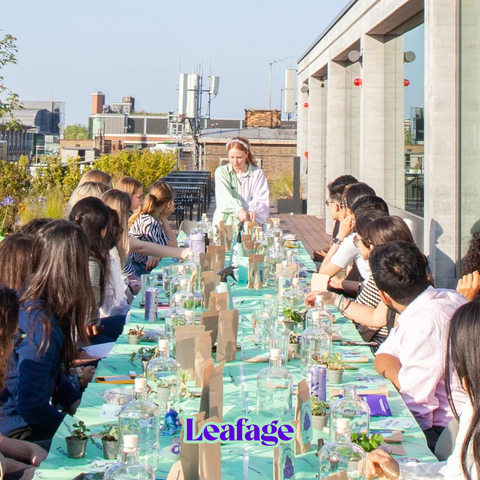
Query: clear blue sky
<point x="70" y="49"/>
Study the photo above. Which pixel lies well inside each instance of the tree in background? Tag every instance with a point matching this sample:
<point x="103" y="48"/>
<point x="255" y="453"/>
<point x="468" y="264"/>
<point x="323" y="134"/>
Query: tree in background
<point x="9" y="100"/>
<point x="76" y="132"/>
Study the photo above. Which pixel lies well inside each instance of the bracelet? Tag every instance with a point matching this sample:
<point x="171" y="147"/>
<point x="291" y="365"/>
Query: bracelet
<point x="340" y="300"/>
<point x="345" y="308"/>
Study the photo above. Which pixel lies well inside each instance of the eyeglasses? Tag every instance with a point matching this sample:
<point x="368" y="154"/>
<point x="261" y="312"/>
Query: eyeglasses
<point x="356" y="241"/>
<point x="18" y="337"/>
<point x="328" y="202"/>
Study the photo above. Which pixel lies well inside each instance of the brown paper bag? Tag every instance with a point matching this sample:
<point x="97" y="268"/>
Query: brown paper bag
<point x="186" y="337"/>
<point x="303" y="409"/>
<point x="284" y="460"/>
<point x="189" y="452"/>
<point x="203" y="351"/>
<point x="218" y="257"/>
<point x="205" y="261"/>
<point x="227" y="335"/>
<point x="256" y="232"/>
<point x="251" y="270"/>
<point x="210" y="320"/>
<point x="258" y="278"/>
<point x="229" y="233"/>
<point x="208" y="286"/>
<point x="208" y="368"/>
<point x="221" y="302"/>
<point x="249" y="246"/>
<point x="337" y="476"/>
<point x="222" y="237"/>
<point x="176" y="472"/>
<point x="210" y="465"/>
<point x="216" y="392"/>
<point x="319" y="282"/>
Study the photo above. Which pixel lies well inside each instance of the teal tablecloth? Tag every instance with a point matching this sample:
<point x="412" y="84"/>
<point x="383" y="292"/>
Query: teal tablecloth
<point x="238" y="461"/>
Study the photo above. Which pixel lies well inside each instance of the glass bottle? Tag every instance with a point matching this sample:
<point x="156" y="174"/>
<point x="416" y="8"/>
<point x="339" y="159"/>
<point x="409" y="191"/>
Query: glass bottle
<point x="352" y="408"/>
<point x="191" y="268"/>
<point x="315" y="342"/>
<point x="276" y="230"/>
<point x="342" y="455"/>
<point x="285" y="276"/>
<point x="141" y="417"/>
<point x="189" y="317"/>
<point x="180" y="274"/>
<point x="327" y="317"/>
<point x="129" y="467"/>
<point x="174" y="317"/>
<point x="202" y="225"/>
<point x="261" y="244"/>
<point x="294" y="307"/>
<point x="274" y="390"/>
<point x="274" y="256"/>
<point x="182" y="293"/>
<point x="163" y="377"/>
<point x="268" y="235"/>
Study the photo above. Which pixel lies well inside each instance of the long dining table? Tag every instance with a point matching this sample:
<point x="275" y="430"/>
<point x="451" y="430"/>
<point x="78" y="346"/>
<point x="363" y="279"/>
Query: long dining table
<point x="238" y="460"/>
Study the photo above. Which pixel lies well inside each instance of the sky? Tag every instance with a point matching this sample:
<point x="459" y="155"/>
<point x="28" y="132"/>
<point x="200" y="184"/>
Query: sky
<point x="71" y="50"/>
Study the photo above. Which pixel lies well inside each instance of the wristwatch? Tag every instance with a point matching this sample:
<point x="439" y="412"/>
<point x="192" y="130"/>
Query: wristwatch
<point x="337" y="241"/>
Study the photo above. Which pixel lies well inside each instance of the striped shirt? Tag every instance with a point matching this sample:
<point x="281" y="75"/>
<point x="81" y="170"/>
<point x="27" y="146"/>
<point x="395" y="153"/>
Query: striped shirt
<point x="147" y="229"/>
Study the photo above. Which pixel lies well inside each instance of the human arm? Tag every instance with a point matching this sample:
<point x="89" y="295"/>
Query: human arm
<point x="259" y="201"/>
<point x="26" y="452"/>
<point x="469" y="285"/>
<point x="388" y="366"/>
<point x="332" y="264"/>
<point x="155" y="250"/>
<point x="152" y="262"/>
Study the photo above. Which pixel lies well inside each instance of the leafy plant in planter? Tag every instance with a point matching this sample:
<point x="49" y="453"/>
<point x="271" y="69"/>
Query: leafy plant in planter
<point x="292" y="316"/>
<point x="110" y="442"/>
<point x="145" y="353"/>
<point x="294" y="342"/>
<point x="319" y="413"/>
<point x="335" y="367"/>
<point x="369" y="444"/>
<point x="77" y="441"/>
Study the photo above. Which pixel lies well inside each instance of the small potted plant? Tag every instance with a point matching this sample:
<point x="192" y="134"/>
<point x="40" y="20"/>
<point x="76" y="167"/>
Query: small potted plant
<point x="163" y="390"/>
<point x="369" y="444"/>
<point x="110" y="442"/>
<point x="135" y="335"/>
<point x="319" y="413"/>
<point x="294" y="343"/>
<point x="77" y="441"/>
<point x="335" y="367"/>
<point x="293" y="319"/>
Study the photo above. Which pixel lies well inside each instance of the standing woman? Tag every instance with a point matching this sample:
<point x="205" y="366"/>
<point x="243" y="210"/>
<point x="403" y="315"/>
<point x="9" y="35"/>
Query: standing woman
<point x="55" y="306"/>
<point x="241" y="189"/>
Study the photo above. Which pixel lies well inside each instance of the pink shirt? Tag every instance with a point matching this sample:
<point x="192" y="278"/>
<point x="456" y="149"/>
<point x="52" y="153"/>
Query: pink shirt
<point x="419" y="342"/>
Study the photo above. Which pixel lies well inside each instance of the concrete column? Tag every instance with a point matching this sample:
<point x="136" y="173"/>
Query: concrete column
<point x="372" y="114"/>
<point x="316" y="148"/>
<point x="302" y="138"/>
<point x="394" y="123"/>
<point x="335" y="127"/>
<point x="442" y="121"/>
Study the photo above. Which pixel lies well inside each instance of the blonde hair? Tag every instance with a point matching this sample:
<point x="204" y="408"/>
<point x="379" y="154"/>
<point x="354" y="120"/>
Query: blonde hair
<point x="239" y="144"/>
<point x="128" y="185"/>
<point x="96" y="176"/>
<point x="120" y="202"/>
<point x="84" y="190"/>
<point x="159" y="194"/>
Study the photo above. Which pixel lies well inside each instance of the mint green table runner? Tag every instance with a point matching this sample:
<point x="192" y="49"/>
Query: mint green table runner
<point x="240" y="461"/>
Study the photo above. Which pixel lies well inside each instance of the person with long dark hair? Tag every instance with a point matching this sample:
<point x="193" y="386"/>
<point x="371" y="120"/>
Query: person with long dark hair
<point x="56" y="303"/>
<point x="462" y="360"/>
<point x="92" y="215"/>
<point x="15" y="260"/>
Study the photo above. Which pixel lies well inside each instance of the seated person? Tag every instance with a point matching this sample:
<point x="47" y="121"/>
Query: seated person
<point x="335" y="209"/>
<point x="413" y="356"/>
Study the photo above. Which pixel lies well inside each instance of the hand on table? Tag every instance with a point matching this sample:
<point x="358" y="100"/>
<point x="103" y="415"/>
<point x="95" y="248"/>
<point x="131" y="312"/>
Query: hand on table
<point x="243" y="215"/>
<point x="252" y="216"/>
<point x="185" y="253"/>
<point x="381" y="465"/>
<point x="328" y="298"/>
<point x="93" y="330"/>
<point x="469" y="285"/>
<point x="88" y="373"/>
<point x="37" y="454"/>
<point x="152" y="262"/>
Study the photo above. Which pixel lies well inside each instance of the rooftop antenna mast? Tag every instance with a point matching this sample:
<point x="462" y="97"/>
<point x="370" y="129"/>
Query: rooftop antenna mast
<point x="271" y="75"/>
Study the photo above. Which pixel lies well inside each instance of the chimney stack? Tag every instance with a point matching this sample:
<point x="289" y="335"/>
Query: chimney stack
<point x="98" y="101"/>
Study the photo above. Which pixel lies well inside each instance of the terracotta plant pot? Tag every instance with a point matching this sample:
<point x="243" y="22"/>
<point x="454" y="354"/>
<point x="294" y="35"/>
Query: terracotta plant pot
<point x="110" y="449"/>
<point x="318" y="422"/>
<point x="334" y="376"/>
<point x="134" y="339"/>
<point x="76" y="448"/>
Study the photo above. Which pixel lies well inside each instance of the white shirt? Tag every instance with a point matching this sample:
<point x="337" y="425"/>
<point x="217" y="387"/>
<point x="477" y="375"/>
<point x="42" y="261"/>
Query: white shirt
<point x="347" y="251"/>
<point x="452" y="468"/>
<point x="419" y="342"/>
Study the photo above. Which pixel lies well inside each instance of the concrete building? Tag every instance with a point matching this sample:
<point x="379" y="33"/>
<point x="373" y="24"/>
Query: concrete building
<point x="379" y="64"/>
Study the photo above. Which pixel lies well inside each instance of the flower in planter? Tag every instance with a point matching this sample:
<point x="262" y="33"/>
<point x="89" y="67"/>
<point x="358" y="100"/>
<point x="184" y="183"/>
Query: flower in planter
<point x="136" y="332"/>
<point x="294" y="338"/>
